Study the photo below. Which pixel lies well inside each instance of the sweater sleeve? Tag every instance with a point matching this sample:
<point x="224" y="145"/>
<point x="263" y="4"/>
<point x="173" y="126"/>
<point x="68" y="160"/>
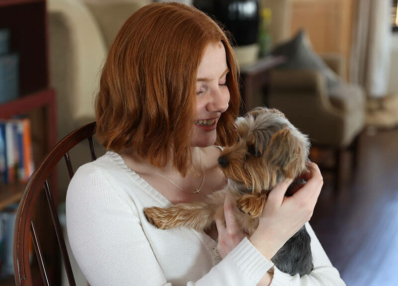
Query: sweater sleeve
<point x="323" y="274"/>
<point x="111" y="247"/>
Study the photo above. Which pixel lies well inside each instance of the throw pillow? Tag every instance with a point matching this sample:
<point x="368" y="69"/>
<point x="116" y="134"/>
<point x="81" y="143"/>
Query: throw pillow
<point x="299" y="55"/>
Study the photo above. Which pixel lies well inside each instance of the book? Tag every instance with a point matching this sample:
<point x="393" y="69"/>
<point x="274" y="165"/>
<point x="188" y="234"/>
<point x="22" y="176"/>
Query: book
<point x="9" y="215"/>
<point x="2" y="244"/>
<point x="10" y="152"/>
<point x="16" y="158"/>
<point x="9" y="77"/>
<point x="18" y="150"/>
<point x="3" y="154"/>
<point x="27" y="149"/>
<point x="4" y="41"/>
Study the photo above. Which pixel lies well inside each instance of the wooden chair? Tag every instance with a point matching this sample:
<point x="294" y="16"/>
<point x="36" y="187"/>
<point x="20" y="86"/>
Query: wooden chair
<point x="24" y="225"/>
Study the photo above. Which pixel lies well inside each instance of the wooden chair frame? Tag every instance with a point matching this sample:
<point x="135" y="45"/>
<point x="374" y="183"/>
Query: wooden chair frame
<point x="24" y="226"/>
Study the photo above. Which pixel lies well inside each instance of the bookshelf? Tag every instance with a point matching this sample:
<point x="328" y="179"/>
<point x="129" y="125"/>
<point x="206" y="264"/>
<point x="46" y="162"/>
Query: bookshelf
<point x="27" y="22"/>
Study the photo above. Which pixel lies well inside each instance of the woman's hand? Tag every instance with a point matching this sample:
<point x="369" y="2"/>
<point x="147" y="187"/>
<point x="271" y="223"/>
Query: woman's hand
<point x="284" y="216"/>
<point x="229" y="233"/>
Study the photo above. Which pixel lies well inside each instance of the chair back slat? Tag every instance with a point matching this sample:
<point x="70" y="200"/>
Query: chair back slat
<point x="24" y="228"/>
<point x="59" y="234"/>
<point x="92" y="149"/>
<point x="39" y="254"/>
<point x="69" y="165"/>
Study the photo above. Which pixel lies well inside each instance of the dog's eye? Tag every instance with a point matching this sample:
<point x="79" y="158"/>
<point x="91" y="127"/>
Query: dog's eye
<point x="254" y="151"/>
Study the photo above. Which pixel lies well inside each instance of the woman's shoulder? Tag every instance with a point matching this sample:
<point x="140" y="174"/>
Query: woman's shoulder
<point x="102" y="183"/>
<point x="107" y="170"/>
<point x="95" y="168"/>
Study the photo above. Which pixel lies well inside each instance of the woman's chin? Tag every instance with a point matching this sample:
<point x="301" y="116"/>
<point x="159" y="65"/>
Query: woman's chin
<point x="204" y="141"/>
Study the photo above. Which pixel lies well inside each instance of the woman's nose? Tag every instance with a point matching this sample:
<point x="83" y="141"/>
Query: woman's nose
<point x="219" y="100"/>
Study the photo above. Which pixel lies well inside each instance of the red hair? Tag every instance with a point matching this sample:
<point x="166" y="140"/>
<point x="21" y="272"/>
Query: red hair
<point x="147" y="94"/>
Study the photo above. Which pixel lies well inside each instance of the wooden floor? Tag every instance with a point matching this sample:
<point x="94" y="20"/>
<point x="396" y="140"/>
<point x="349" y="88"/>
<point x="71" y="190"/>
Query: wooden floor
<point x="359" y="228"/>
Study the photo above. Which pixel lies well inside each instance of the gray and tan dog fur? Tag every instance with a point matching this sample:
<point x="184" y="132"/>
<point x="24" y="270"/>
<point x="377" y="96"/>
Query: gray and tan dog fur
<point x="269" y="150"/>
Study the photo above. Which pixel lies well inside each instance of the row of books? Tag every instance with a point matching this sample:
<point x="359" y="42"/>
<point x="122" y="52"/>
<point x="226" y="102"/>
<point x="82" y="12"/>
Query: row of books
<point x="9" y="68"/>
<point x="16" y="162"/>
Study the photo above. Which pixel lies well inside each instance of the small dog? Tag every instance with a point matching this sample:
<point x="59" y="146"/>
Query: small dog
<point x="269" y="150"/>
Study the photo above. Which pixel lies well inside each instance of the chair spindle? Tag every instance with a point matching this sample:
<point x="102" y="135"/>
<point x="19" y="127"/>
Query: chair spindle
<point x="59" y="234"/>
<point x="39" y="254"/>
<point x="92" y="149"/>
<point x="69" y="165"/>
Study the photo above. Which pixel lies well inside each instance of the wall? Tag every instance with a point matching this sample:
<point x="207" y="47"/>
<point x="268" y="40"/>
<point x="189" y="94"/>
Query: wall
<point x="393" y="82"/>
<point x="328" y="24"/>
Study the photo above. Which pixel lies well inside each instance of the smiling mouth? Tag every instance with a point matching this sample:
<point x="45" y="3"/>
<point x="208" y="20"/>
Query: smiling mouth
<point x="205" y="122"/>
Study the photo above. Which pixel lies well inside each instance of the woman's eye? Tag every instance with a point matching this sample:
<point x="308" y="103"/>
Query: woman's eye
<point x="222" y="83"/>
<point x="199" y="92"/>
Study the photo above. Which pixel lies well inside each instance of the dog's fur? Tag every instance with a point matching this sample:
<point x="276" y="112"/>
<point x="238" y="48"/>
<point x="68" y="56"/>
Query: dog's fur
<point x="269" y="150"/>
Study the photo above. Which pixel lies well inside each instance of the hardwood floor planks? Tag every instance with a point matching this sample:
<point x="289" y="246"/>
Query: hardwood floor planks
<point x="359" y="228"/>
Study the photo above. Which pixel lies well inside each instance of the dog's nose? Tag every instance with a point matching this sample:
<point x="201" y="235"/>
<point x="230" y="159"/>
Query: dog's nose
<point x="223" y="161"/>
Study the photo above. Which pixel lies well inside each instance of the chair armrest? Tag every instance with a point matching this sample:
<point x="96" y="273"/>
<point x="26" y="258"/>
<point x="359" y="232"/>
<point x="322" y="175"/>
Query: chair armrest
<point x="335" y="62"/>
<point x="348" y="97"/>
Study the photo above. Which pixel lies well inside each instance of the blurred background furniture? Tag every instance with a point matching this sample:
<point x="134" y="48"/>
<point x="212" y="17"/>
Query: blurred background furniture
<point x="329" y="24"/>
<point x="254" y="80"/>
<point x="331" y="121"/>
<point x="80" y="36"/>
<point x="25" y="226"/>
<point x="280" y="26"/>
<point x="255" y="77"/>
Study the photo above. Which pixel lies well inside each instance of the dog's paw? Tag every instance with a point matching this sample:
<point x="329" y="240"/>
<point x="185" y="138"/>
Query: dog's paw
<point x="156" y="217"/>
<point x="250" y="204"/>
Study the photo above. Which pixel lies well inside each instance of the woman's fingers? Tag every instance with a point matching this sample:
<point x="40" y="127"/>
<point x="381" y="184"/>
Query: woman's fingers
<point x="230" y="220"/>
<point x="220" y="226"/>
<point x="277" y="195"/>
<point x="313" y="187"/>
<point x="229" y="231"/>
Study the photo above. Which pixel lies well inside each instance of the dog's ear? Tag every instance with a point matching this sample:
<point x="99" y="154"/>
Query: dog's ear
<point x="256" y="111"/>
<point x="261" y="110"/>
<point x="287" y="153"/>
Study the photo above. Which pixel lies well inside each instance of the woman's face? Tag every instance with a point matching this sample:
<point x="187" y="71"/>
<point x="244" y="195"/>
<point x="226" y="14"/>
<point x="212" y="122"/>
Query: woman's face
<point x="212" y="95"/>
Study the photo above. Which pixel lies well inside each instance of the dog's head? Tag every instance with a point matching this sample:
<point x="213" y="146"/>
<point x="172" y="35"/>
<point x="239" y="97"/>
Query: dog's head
<point x="269" y="149"/>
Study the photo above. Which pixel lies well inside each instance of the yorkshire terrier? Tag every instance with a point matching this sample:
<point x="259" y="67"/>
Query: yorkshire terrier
<point x="269" y="149"/>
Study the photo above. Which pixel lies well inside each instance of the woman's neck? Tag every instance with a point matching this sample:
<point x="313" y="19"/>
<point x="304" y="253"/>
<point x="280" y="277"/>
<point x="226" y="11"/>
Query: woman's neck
<point x="142" y="165"/>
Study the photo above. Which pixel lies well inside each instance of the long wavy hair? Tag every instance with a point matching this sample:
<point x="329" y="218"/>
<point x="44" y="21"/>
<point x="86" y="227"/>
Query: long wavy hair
<point x="147" y="95"/>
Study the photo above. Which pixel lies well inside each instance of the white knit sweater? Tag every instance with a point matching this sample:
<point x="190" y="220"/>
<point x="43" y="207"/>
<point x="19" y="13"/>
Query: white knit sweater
<point x="115" y="245"/>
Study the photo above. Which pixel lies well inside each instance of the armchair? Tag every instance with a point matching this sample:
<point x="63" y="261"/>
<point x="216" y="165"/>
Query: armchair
<point x="332" y="121"/>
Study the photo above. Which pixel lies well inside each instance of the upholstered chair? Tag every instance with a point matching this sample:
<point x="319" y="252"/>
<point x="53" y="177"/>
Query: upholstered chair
<point x="332" y="121"/>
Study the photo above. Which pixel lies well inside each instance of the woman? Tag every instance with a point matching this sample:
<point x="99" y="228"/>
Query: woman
<point x="168" y="93"/>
